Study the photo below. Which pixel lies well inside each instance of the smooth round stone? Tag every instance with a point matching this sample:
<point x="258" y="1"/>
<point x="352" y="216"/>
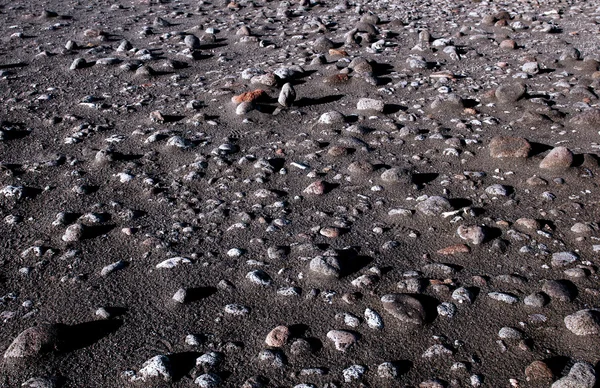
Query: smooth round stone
<point x="434" y="205"/>
<point x="510" y="333"/>
<point x="370" y="104"/>
<point x="396" y="175"/>
<point x="536" y="299"/>
<point x="405" y="308"/>
<point x="510" y="93"/>
<point x="584" y="322"/>
<point x="360" y="168"/>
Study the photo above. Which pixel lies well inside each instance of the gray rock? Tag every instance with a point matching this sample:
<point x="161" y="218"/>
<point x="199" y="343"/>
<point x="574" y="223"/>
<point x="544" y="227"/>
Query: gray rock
<point x="474" y="234"/>
<point x="342" y="339"/>
<point x="287" y="95"/>
<point x="562" y="259"/>
<point x="561" y="290"/>
<point x="370" y="104"/>
<point x="581" y="375"/>
<point x="434" y="205"/>
<point x="328" y="266"/>
<point x="584" y="322"/>
<point x="396" y="175"/>
<point x="405" y="308"/>
<point x="510" y="93"/>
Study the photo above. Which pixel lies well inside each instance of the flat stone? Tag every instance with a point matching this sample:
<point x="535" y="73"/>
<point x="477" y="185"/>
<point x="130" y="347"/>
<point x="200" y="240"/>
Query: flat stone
<point x="405" y="308"/>
<point x="434" y="205"/>
<point x="509" y="147"/>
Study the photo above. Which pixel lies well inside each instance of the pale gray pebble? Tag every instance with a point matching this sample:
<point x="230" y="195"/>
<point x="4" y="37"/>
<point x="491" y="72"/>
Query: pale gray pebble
<point x="510" y="333"/>
<point x="434" y="205"/>
<point x="342" y="339"/>
<point x="209" y="361"/>
<point x="405" y="308"/>
<point x="561" y="259"/>
<point x="287" y="95"/>
<point x="373" y="319"/>
<point x="503" y="297"/>
<point x="158" y="367"/>
<point x="273" y="358"/>
<point x="584" y="322"/>
<point x="437" y="350"/>
<point x="208" y="380"/>
<point x="259" y="277"/>
<point x="370" y="104"/>
<point x="328" y="266"/>
<point x="387" y="370"/>
<point x="463" y="295"/>
<point x="353" y="372"/>
<point x="497" y="189"/>
<point x="180" y="295"/>
<point x="474" y="234"/>
<point x="447" y="309"/>
<point x="536" y="299"/>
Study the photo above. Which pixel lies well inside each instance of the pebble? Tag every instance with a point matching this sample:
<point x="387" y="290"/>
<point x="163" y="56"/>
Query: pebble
<point x="474" y="234"/>
<point x="538" y="371"/>
<point x="278" y="336"/>
<point x="353" y="372"/>
<point x="509" y="147"/>
<point x="581" y="375"/>
<point x="561" y="290"/>
<point x="434" y="206"/>
<point x="584" y="322"/>
<point x="405" y="308"/>
<point x="287" y="95"/>
<point x="503" y="297"/>
<point x="558" y="158"/>
<point x="510" y="93"/>
<point x="342" y="339"/>
<point x="370" y="104"/>
<point x="373" y="319"/>
<point x="158" y="367"/>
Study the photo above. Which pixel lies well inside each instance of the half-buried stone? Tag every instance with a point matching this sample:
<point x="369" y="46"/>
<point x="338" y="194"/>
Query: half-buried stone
<point x="405" y="308"/>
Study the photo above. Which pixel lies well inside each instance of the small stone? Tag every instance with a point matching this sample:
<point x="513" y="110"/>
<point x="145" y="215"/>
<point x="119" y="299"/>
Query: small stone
<point x="34" y="341"/>
<point x="538" y="371"/>
<point x="581" y="375"/>
<point x="509" y="147"/>
<point x="558" y="158"/>
<point x="192" y="42"/>
<point x="373" y="319"/>
<point x="510" y="333"/>
<point x="584" y="322"/>
<point x="73" y="233"/>
<point x="474" y="234"/>
<point x="454" y="250"/>
<point x="497" y="189"/>
<point x="370" y="104"/>
<point x="404" y="307"/>
<point x="447" y="309"/>
<point x="278" y="336"/>
<point x="562" y="259"/>
<point x="589" y="119"/>
<point x="328" y="266"/>
<point x="78" y="63"/>
<point x="510" y="93"/>
<point x="561" y="290"/>
<point x="40" y="382"/>
<point x="387" y="370"/>
<point x="287" y="95"/>
<point x="253" y="96"/>
<point x="396" y="175"/>
<point x="316" y="188"/>
<point x="180" y="295"/>
<point x="342" y="339"/>
<point x="158" y="367"/>
<point x="434" y="206"/>
<point x="531" y="68"/>
<point x="354" y="372"/>
<point x="508" y="44"/>
<point x="536" y="299"/>
<point x="503" y="297"/>
<point x="208" y="380"/>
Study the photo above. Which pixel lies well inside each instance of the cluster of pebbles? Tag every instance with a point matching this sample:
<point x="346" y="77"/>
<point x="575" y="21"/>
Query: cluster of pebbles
<point x="303" y="193"/>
